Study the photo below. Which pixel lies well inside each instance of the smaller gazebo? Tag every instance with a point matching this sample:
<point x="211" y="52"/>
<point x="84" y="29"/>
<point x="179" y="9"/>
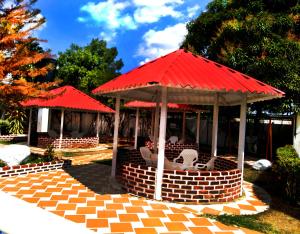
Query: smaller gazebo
<point x="172" y="107"/>
<point x="67" y="98"/>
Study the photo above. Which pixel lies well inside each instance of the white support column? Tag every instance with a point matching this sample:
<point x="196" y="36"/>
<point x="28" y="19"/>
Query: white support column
<point x="29" y="127"/>
<point x="297" y="134"/>
<point x="161" y="144"/>
<point x="137" y="117"/>
<point x="98" y="124"/>
<point x="61" y="127"/>
<point x="214" y="137"/>
<point x="116" y="133"/>
<point x="242" y="134"/>
<point x="156" y="123"/>
<point x="183" y="124"/>
<point x="198" y="128"/>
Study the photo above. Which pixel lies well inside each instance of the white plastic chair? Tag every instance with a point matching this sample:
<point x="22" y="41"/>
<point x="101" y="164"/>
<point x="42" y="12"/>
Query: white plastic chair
<point x="210" y="165"/>
<point x="190" y="156"/>
<point x="146" y="154"/>
<point x="173" y="139"/>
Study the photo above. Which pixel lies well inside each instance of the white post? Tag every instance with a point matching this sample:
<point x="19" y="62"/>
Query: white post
<point x="137" y="116"/>
<point x="242" y="134"/>
<point x="161" y="144"/>
<point x="156" y="123"/>
<point x="98" y="125"/>
<point x="116" y="133"/>
<point x="214" y="137"/>
<point x="183" y="124"/>
<point x="29" y="127"/>
<point x="61" y="127"/>
<point x="198" y="128"/>
<point x="297" y="134"/>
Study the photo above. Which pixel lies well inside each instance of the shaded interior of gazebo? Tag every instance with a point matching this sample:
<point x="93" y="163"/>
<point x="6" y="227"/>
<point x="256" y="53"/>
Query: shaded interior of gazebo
<point x="184" y="78"/>
<point x="71" y="119"/>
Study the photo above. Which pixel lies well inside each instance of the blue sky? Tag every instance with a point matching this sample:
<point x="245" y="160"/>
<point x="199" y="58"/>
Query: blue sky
<point x="140" y="29"/>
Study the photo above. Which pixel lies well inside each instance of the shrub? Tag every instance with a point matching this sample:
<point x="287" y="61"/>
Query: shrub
<point x="4" y="125"/>
<point x="49" y="153"/>
<point x="2" y="164"/>
<point x="287" y="168"/>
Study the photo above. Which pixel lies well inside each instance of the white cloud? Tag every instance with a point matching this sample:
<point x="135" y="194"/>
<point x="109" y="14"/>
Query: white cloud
<point x="109" y="13"/>
<point x="158" y="43"/>
<point x="151" y="11"/>
<point x="108" y="36"/>
<point x="193" y="11"/>
<point x="8" y="4"/>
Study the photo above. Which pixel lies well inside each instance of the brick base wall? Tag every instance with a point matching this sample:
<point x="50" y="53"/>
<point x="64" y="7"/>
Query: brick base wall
<point x="221" y="185"/>
<point x="33" y="168"/>
<point x="176" y="146"/>
<point x="15" y="138"/>
<point x="83" y="142"/>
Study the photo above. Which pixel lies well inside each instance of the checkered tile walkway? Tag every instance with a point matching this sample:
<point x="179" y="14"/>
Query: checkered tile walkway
<point x="60" y="193"/>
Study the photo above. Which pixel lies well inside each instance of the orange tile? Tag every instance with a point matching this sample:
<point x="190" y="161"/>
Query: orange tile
<point x="53" y="190"/>
<point x="47" y="183"/>
<point x="128" y="218"/>
<point x="10" y="189"/>
<point x="189" y="210"/>
<point x="42" y="194"/>
<point x="76" y="218"/>
<point x="79" y="186"/>
<point x="86" y="210"/>
<point x="178" y="211"/>
<point x="107" y="214"/>
<point x="120" y="200"/>
<point x="155" y="214"/>
<point x="224" y="232"/>
<point x="58" y="212"/>
<point x="121" y="227"/>
<point x="139" y="203"/>
<point x="201" y="221"/>
<point x="159" y="207"/>
<point x="39" y="187"/>
<point x="247" y="207"/>
<point x="86" y="194"/>
<point x="59" y="197"/>
<point x="145" y="231"/>
<point x="256" y="202"/>
<point x="103" y="197"/>
<point x="202" y="230"/>
<point x="152" y="222"/>
<point x="95" y="203"/>
<point x="66" y="206"/>
<point x="134" y="209"/>
<point x="64" y="185"/>
<point x="176" y="227"/>
<point x="207" y="210"/>
<point x="44" y="204"/>
<point x="231" y="210"/>
<point x="26" y="191"/>
<point x="114" y="206"/>
<point x="97" y="223"/>
<point x="177" y="217"/>
<point x="31" y="199"/>
<point x="70" y="191"/>
<point x="224" y="227"/>
<point x="77" y="200"/>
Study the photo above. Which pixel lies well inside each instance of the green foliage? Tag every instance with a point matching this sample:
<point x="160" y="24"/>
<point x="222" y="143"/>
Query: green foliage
<point x="49" y="153"/>
<point x="4" y="125"/>
<point x="287" y="168"/>
<point x="16" y="119"/>
<point x="88" y="67"/>
<point x="248" y="221"/>
<point x="259" y="38"/>
<point x="2" y="164"/>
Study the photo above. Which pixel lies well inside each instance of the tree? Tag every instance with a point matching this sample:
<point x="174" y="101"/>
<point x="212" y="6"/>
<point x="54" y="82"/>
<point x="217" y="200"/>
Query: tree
<point x="20" y="55"/>
<point x="260" y="38"/>
<point x="17" y="56"/>
<point x="90" y="66"/>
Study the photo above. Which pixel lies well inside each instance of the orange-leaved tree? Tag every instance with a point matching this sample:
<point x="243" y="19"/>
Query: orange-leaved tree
<point x="20" y="61"/>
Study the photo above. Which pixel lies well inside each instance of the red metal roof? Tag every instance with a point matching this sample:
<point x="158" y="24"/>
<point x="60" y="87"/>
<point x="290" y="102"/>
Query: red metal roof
<point x="140" y="104"/>
<point x="70" y="98"/>
<point x="184" y="70"/>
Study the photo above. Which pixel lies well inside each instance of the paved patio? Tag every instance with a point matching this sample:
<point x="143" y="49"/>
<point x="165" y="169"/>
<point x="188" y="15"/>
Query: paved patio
<point x="86" y="195"/>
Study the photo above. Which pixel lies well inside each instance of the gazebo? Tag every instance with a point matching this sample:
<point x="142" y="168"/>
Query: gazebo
<point x="185" y="78"/>
<point x="67" y="98"/>
<point x="171" y="106"/>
